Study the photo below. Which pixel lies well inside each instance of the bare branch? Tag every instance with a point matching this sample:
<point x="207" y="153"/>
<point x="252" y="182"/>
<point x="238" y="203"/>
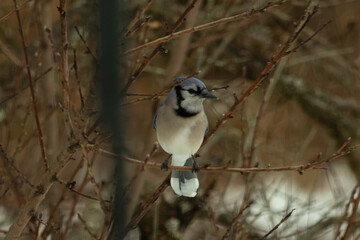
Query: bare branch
<point x="277" y="225"/>
<point x="237" y="17"/>
<point x="131" y="28"/>
<point x="85" y="43"/>
<point x="234" y="221"/>
<point x="158" y="49"/>
<point x="92" y="178"/>
<point x="148" y="204"/>
<point x="87" y="229"/>
<point x="309" y="12"/>
<point x="156" y="96"/>
<point x="20" y="6"/>
<point x="298" y="168"/>
<point x="41" y="137"/>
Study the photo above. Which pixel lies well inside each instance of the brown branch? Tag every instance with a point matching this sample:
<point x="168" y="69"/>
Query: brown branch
<point x="308" y="39"/>
<point x="237" y="17"/>
<point x="309" y="12"/>
<point x="10" y="54"/>
<point x="213" y="220"/>
<point x="160" y="94"/>
<point x="354" y="201"/>
<point x="142" y="168"/>
<point x="298" y="168"/>
<point x="22" y="176"/>
<point x="20" y="6"/>
<point x="156" y="96"/>
<point x="65" y="45"/>
<point x="64" y="82"/>
<point x="75" y="201"/>
<point x="224" y="33"/>
<point x="41" y="137"/>
<point x="85" y="43"/>
<point x="75" y="67"/>
<point x="38" y="195"/>
<point x="24" y="88"/>
<point x="148" y="204"/>
<point x="158" y="49"/>
<point x="87" y="229"/>
<point x="131" y="28"/>
<point x="277" y="225"/>
<point x="255" y="130"/>
<point x="344" y="145"/>
<point x="92" y="179"/>
<point x="234" y="221"/>
<point x="70" y="186"/>
<point x="141" y="23"/>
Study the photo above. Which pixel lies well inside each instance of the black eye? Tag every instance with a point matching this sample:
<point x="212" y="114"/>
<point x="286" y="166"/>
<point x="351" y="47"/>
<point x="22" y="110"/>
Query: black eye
<point x="191" y="91"/>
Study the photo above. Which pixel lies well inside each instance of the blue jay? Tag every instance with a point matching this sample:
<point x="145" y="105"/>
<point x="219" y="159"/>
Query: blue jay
<point x="181" y="124"/>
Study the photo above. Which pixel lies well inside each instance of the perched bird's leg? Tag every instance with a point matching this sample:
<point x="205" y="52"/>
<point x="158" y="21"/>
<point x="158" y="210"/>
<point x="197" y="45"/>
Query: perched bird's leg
<point x="195" y="167"/>
<point x="164" y="165"/>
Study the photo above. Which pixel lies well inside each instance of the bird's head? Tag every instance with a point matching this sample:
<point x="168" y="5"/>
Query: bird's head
<point x="191" y="94"/>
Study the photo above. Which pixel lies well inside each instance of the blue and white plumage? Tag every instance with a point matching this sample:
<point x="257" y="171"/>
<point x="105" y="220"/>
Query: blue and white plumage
<point x="181" y="124"/>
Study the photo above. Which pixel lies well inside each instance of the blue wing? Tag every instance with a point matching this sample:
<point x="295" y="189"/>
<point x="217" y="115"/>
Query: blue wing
<point x="154" y="120"/>
<point x="206" y="130"/>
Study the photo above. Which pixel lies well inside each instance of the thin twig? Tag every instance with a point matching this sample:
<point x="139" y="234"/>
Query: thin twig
<point x="148" y="204"/>
<point x="142" y="168"/>
<point x="75" y="201"/>
<point x="24" y="88"/>
<point x="65" y="46"/>
<point x="213" y="220"/>
<point x="20" y="6"/>
<point x="70" y="186"/>
<point x="22" y="176"/>
<point x="64" y="82"/>
<point x="41" y="137"/>
<point x="255" y="130"/>
<point x="87" y="229"/>
<point x="354" y="201"/>
<point x="158" y="49"/>
<point x="344" y="145"/>
<point x="10" y="54"/>
<point x="234" y="221"/>
<point x="156" y="96"/>
<point x="298" y="168"/>
<point x="308" y="39"/>
<point x="277" y="225"/>
<point x="131" y="28"/>
<point x="92" y="179"/>
<point x="159" y="94"/>
<point x="309" y="12"/>
<point x="75" y="67"/>
<point x="171" y="36"/>
<point x="85" y="43"/>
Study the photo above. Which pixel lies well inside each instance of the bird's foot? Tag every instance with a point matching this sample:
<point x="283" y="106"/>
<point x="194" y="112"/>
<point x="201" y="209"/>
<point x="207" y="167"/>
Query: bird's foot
<point x="195" y="166"/>
<point x="164" y="165"/>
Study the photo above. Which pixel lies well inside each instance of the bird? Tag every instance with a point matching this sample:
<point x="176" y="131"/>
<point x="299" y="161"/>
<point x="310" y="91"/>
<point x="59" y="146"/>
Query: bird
<point x="181" y="124"/>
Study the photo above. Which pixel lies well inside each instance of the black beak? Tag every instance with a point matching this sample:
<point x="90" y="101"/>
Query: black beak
<point x="206" y="94"/>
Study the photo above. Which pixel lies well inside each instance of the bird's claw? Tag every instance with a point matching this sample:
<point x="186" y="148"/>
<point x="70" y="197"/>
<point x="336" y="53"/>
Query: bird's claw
<point x="164" y="166"/>
<point x="195" y="167"/>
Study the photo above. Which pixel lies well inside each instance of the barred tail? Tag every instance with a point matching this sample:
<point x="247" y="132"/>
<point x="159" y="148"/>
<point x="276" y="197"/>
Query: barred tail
<point x="184" y="183"/>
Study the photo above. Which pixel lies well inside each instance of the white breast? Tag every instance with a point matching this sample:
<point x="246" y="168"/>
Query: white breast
<point x="180" y="136"/>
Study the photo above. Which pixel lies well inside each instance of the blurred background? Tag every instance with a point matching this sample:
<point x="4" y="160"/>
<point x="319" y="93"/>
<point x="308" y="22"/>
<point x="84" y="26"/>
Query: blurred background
<point x="305" y="110"/>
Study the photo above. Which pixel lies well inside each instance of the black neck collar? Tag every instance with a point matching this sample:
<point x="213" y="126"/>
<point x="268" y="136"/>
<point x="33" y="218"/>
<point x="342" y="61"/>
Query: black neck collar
<point x="182" y="112"/>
